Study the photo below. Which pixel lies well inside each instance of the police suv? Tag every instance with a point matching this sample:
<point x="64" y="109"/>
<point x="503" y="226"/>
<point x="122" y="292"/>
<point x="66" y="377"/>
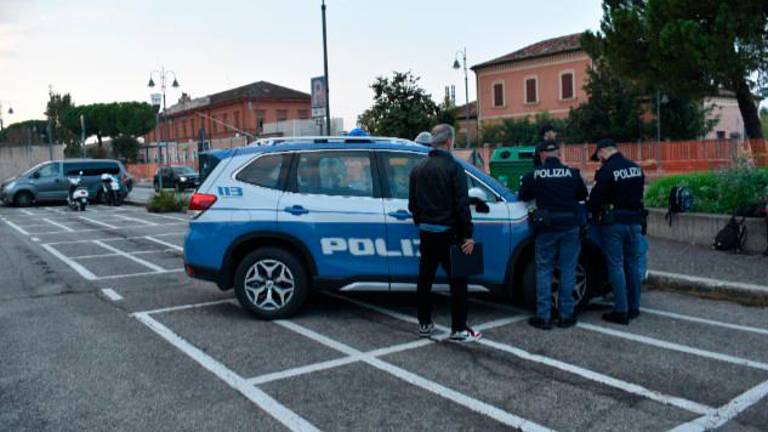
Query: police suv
<point x="282" y="216"/>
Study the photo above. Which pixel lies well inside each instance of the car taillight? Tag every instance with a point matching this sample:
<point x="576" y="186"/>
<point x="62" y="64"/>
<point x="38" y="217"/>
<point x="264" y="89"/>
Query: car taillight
<point x="200" y="202"/>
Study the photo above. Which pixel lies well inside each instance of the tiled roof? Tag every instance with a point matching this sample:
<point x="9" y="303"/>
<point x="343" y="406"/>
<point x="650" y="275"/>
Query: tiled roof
<point x="258" y="90"/>
<point x="461" y="111"/>
<point x="544" y="48"/>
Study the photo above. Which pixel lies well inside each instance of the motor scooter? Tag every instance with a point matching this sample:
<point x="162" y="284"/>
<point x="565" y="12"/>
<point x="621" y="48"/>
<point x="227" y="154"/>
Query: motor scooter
<point x="110" y="190"/>
<point x="77" y="198"/>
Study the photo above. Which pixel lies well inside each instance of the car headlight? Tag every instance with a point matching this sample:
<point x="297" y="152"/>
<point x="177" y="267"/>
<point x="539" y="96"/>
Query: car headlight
<point x="183" y="179"/>
<point x="10" y="185"/>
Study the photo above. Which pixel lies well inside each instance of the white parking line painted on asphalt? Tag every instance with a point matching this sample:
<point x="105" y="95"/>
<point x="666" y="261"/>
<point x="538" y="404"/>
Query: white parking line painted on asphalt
<point x="303" y="370"/>
<point x="675" y="346"/>
<point x="164" y="243"/>
<point x="711" y="322"/>
<point x="277" y="410"/>
<point x="27" y="212"/>
<point x="144" y="252"/>
<point x="82" y="271"/>
<point x="186" y="306"/>
<point x="176" y="218"/>
<point x="419" y="381"/>
<point x="58" y="225"/>
<point x="124" y="254"/>
<point x="628" y="387"/>
<point x="152" y="273"/>
<point x="35" y="239"/>
<point x="727" y="412"/>
<point x="109" y="239"/>
<point x="128" y="218"/>
<point x="16" y="227"/>
<point x="94" y="221"/>
<point x="111" y="294"/>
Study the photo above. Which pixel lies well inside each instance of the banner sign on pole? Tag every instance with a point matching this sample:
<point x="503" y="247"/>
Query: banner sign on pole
<point x="319" y="100"/>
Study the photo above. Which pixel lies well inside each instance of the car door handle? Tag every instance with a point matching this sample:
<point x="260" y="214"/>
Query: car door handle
<point x="296" y="210"/>
<point x="400" y="215"/>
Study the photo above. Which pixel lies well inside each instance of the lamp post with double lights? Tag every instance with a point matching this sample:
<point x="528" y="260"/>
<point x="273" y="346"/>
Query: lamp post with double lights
<point x="162" y="75"/>
<point x="457" y="65"/>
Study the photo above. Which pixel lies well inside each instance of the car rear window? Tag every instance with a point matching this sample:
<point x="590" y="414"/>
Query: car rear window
<point x="92" y="168"/>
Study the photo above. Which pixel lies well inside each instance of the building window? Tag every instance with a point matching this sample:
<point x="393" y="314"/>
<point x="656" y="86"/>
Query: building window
<point x="214" y="124"/>
<point x="237" y="119"/>
<point x="531" y="90"/>
<point x="498" y="94"/>
<point x="192" y="130"/>
<point x="184" y="128"/>
<point x="282" y="115"/>
<point x="303" y="114"/>
<point x="260" y="116"/>
<point x="566" y="85"/>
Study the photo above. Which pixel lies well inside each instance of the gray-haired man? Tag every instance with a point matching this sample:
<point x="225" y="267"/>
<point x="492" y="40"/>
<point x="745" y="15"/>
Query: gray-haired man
<point x="439" y="203"/>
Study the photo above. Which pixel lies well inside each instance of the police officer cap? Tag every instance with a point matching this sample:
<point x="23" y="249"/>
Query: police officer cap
<point x="546" y="128"/>
<point x="546" y="146"/>
<point x="603" y="143"/>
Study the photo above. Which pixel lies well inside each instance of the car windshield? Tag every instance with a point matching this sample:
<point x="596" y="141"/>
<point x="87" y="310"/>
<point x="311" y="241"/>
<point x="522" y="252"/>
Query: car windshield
<point x="33" y="169"/>
<point x="183" y="170"/>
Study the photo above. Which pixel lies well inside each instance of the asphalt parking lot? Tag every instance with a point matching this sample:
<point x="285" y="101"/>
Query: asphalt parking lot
<point x="102" y="329"/>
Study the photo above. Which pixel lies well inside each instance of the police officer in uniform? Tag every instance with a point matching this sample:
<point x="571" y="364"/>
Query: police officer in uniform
<point x="616" y="202"/>
<point x="557" y="190"/>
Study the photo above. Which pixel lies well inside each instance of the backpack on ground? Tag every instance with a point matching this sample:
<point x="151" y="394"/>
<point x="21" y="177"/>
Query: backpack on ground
<point x="680" y="201"/>
<point x="732" y="236"/>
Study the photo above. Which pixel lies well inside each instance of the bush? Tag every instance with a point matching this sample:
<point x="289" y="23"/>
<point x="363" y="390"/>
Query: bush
<point x="166" y="202"/>
<point x="743" y="188"/>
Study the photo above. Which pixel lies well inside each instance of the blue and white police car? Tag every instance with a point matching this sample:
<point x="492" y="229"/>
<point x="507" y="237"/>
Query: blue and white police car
<point x="280" y="217"/>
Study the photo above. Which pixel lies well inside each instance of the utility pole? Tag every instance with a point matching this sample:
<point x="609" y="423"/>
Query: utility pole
<point x="325" y="67"/>
<point x="456" y="65"/>
<point x="49" y="131"/>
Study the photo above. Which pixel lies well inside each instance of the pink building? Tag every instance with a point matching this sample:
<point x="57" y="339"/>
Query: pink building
<point x="547" y="76"/>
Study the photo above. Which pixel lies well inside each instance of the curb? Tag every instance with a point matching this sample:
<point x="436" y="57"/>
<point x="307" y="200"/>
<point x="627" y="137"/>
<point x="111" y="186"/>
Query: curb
<point x="743" y="293"/>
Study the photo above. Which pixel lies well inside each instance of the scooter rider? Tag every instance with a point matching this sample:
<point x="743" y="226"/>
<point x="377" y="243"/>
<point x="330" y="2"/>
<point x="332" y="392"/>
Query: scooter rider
<point x="616" y="202"/>
<point x="557" y="190"/>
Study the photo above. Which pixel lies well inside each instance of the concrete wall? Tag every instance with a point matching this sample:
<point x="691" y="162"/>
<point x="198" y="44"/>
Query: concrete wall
<point x="15" y="159"/>
<point x="701" y="229"/>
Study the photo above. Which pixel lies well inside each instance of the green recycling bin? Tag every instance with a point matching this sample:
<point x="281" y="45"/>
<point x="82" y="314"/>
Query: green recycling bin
<point x="508" y="164"/>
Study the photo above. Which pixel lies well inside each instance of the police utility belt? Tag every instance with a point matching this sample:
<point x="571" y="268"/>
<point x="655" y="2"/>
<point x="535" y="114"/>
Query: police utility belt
<point x="611" y="215"/>
<point x="541" y="219"/>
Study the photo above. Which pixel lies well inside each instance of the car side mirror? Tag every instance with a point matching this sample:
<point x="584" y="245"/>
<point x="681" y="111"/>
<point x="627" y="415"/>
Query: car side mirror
<point x="36" y="175"/>
<point x="479" y="199"/>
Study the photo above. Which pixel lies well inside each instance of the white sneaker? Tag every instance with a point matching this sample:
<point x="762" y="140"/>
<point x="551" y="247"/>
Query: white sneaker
<point x="467" y="335"/>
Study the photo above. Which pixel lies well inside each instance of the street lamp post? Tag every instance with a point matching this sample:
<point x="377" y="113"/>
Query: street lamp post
<point x="457" y="65"/>
<point x="162" y="75"/>
<point x="325" y="69"/>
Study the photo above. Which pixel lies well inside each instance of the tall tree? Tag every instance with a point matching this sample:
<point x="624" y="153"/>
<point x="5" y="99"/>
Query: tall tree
<point x="400" y="107"/>
<point x="692" y="47"/>
<point x="58" y="105"/>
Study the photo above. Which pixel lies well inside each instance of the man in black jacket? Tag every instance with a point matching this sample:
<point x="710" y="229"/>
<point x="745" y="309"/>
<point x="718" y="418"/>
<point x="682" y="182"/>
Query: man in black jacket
<point x="557" y="190"/>
<point x="616" y="202"/>
<point x="439" y="203"/>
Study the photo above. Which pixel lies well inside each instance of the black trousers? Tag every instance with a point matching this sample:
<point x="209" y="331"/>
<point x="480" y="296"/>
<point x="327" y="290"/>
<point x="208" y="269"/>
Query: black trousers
<point x="435" y="251"/>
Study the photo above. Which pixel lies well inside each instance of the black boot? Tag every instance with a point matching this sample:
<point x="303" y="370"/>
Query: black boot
<point x="616" y="317"/>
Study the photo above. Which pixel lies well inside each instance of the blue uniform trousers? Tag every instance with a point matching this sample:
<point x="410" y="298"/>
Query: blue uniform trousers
<point x="623" y="246"/>
<point x="564" y="245"/>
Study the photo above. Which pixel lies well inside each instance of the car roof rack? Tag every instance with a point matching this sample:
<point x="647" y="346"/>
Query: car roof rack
<point x="322" y="140"/>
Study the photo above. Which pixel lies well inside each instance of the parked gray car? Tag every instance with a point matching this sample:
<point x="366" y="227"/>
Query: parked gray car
<point x="48" y="181"/>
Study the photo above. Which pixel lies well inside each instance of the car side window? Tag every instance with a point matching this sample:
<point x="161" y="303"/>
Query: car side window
<point x="336" y="173"/>
<point x="264" y="171"/>
<point x="473" y="183"/>
<point x="50" y="170"/>
<point x="398" y="167"/>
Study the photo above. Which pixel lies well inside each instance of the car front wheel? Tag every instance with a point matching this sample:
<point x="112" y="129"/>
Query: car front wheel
<point x="271" y="283"/>
<point x="584" y="289"/>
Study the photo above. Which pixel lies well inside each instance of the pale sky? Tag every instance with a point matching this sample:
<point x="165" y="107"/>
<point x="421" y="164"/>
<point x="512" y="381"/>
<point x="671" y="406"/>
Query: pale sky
<point x="104" y="50"/>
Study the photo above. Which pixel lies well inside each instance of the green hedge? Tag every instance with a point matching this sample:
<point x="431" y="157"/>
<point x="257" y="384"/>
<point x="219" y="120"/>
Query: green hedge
<point x="741" y="188"/>
<point x="166" y="202"/>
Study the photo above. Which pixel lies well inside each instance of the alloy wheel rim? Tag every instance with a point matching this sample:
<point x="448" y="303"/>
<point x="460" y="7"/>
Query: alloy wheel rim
<point x="269" y="284"/>
<point x="579" y="289"/>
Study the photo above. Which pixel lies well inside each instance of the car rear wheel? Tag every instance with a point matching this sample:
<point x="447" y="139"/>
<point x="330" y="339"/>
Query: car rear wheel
<point x="23" y="199"/>
<point x="583" y="291"/>
<point x="271" y="283"/>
